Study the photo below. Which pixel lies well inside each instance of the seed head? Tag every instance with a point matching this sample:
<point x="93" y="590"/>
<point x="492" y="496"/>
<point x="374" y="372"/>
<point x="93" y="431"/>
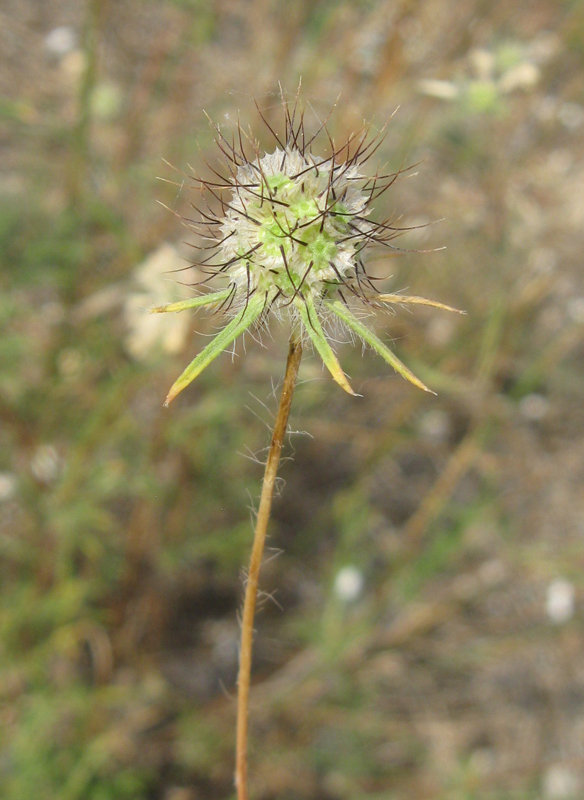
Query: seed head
<point x="288" y="232"/>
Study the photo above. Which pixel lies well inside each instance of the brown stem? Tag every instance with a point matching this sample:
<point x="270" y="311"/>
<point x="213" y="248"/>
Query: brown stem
<point x="251" y="589"/>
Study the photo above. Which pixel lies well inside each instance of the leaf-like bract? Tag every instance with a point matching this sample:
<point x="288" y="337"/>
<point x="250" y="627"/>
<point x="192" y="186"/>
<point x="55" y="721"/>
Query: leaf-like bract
<point x="309" y="317"/>
<point x="223" y="339"/>
<point x="193" y="302"/>
<point x="374" y="341"/>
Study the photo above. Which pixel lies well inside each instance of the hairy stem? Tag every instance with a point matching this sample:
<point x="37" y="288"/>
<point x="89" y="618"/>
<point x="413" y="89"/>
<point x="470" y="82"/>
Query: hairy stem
<point x="251" y="589"/>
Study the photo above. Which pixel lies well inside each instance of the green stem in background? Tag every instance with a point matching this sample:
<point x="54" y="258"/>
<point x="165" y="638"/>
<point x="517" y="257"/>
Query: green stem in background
<point x="80" y="150"/>
<point x="251" y="589"/>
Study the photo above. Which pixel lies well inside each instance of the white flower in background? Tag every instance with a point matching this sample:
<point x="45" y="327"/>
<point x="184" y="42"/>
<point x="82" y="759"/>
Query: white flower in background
<point x="560" y="783"/>
<point x="442" y="90"/>
<point x="534" y="407"/>
<point x="149" y="334"/>
<point x="436" y="425"/>
<point x="482" y="63"/>
<point x="348" y="584"/>
<point x="61" y="40"/>
<point x="560" y="601"/>
<point x="45" y="463"/>
<point x="575" y="309"/>
<point x="7" y="486"/>
<point x="524" y="76"/>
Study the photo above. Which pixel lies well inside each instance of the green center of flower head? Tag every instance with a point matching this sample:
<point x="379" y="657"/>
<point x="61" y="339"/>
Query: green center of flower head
<point x="288" y="225"/>
<point x="296" y="228"/>
<point x="293" y="231"/>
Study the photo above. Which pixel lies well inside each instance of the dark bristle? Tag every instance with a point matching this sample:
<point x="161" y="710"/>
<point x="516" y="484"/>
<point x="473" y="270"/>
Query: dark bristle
<point x="285" y="260"/>
<point x="268" y="126"/>
<point x="299" y="287"/>
<point x="226" y="304"/>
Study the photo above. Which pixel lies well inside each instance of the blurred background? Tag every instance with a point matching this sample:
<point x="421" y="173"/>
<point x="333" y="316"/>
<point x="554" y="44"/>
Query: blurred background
<point x="421" y="630"/>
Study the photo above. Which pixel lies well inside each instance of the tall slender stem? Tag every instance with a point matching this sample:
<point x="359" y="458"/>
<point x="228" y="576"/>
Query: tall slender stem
<point x="251" y="589"/>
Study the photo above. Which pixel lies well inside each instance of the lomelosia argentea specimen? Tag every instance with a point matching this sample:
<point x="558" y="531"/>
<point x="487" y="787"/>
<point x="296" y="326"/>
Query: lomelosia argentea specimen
<point x="287" y="233"/>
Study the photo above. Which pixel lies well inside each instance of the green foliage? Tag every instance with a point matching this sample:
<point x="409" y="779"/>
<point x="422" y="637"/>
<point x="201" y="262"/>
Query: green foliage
<point x="59" y="751"/>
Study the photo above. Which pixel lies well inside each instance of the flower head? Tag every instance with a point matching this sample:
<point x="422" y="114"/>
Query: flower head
<point x="288" y="232"/>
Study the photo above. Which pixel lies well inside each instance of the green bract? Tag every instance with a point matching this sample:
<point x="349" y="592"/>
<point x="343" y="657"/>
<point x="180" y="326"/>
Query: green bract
<point x="288" y="236"/>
